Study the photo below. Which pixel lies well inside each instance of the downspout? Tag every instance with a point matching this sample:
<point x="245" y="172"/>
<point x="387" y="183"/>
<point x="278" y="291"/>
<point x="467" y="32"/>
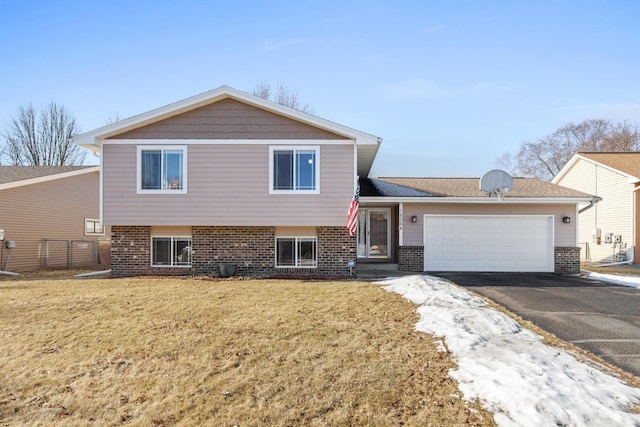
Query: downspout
<point x="594" y="200"/>
<point x="634" y="204"/>
<point x="591" y="204"/>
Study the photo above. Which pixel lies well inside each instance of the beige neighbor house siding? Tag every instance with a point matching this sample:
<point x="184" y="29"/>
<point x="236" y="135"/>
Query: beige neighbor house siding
<point x="54" y="209"/>
<point x="613" y="214"/>
<point x="564" y="234"/>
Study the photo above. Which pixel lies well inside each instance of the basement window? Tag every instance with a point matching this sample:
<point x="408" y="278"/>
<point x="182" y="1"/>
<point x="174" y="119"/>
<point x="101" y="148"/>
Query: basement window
<point x="297" y="252"/>
<point x="171" y="251"/>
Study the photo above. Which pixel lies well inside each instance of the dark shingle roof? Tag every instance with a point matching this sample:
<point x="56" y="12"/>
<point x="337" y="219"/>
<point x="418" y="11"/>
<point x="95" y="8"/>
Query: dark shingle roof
<point x="377" y="188"/>
<point x="465" y="187"/>
<point x="20" y="173"/>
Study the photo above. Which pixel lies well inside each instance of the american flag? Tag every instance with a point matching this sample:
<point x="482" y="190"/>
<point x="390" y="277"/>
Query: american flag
<point x="352" y="216"/>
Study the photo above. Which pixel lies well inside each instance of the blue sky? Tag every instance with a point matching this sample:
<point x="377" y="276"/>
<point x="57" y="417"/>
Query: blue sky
<point x="449" y="85"/>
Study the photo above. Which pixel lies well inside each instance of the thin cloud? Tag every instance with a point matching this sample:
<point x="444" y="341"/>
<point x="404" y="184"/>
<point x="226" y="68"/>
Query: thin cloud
<point x="274" y="45"/>
<point x="422" y="89"/>
<point x="416" y="88"/>
<point x="617" y="112"/>
<point x="438" y="28"/>
<point x="576" y="110"/>
<point x="434" y="29"/>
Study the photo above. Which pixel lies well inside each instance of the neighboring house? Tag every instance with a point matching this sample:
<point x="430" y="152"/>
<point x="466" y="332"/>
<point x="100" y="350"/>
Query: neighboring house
<point x="227" y="178"/>
<point x="50" y="217"/>
<point x="614" y="177"/>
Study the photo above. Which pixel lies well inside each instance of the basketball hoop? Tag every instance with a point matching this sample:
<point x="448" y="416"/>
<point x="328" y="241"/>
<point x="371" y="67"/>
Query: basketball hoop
<point x="496" y="182"/>
<point x="500" y="192"/>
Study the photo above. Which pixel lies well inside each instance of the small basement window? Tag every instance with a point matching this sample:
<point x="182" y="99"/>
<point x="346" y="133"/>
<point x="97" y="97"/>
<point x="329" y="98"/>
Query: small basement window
<point x="93" y="227"/>
<point x="171" y="251"/>
<point x="296" y="252"/>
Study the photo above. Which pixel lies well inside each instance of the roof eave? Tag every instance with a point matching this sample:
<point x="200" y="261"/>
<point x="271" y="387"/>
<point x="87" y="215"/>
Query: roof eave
<point x="94" y="138"/>
<point x="631" y="178"/>
<point x="45" y="178"/>
<point x="477" y="200"/>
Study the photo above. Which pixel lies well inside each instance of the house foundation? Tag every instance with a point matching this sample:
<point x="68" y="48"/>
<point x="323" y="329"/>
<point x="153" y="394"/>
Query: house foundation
<point x="251" y="250"/>
<point x="566" y="259"/>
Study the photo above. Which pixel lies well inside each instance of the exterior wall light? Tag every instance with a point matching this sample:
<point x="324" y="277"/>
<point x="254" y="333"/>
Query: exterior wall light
<point x="566" y="219"/>
<point x="414" y="219"/>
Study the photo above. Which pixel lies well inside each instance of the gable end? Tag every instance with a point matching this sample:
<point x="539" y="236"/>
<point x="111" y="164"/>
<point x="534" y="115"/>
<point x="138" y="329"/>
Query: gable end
<point x="228" y="119"/>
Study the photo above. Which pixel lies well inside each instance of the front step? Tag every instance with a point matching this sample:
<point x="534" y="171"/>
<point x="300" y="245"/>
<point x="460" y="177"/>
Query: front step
<point x="376" y="266"/>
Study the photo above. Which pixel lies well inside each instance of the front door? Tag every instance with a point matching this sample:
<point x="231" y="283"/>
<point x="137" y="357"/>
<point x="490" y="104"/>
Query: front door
<point x="374" y="233"/>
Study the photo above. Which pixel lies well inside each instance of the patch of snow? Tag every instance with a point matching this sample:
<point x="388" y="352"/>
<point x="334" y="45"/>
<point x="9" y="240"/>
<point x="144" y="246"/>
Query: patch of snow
<point x="508" y="368"/>
<point x="632" y="281"/>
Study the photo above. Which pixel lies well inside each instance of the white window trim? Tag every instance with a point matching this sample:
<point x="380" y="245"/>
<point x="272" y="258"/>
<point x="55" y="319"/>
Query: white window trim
<point x="295" y="248"/>
<point x="141" y="148"/>
<point x="294" y="148"/>
<point x="170" y="237"/>
<point x="95" y="221"/>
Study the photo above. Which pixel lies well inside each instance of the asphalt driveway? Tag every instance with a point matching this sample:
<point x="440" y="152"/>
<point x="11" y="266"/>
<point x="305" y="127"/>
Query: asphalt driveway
<point x="599" y="317"/>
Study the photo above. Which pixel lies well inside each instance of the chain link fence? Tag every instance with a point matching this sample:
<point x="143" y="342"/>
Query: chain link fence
<point x="28" y="255"/>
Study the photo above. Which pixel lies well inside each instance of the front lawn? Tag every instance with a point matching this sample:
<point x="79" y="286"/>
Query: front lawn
<point x="237" y="352"/>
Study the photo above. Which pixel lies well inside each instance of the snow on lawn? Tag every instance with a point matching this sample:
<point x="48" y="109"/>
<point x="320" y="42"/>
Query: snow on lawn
<point x="507" y="367"/>
<point x="632" y="281"/>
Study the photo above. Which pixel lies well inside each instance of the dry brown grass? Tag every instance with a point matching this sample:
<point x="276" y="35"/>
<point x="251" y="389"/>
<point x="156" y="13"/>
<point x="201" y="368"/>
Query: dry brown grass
<point x="194" y="352"/>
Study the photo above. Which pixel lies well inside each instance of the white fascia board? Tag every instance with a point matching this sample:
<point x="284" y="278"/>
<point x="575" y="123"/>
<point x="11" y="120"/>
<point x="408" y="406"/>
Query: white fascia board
<point x="477" y="200"/>
<point x="228" y="142"/>
<point x="95" y="137"/>
<point x="46" y="178"/>
<point x="630" y="178"/>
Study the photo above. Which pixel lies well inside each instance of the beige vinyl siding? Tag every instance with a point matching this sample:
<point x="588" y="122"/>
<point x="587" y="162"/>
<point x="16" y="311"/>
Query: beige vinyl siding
<point x="228" y="119"/>
<point x="168" y="230"/>
<point x="296" y="231"/>
<point x="613" y="214"/>
<point x="53" y="209"/>
<point x="564" y="234"/>
<point x="227" y="185"/>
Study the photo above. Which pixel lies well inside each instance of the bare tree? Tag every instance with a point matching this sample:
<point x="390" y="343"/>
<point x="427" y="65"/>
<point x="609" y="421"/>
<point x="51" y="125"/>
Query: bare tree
<point x="544" y="158"/>
<point x="41" y="139"/>
<point x="112" y="118"/>
<point x="283" y="96"/>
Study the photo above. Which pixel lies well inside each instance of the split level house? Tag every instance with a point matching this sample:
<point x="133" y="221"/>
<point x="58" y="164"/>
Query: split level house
<point x="225" y="178"/>
<point x="50" y="218"/>
<point x="608" y="233"/>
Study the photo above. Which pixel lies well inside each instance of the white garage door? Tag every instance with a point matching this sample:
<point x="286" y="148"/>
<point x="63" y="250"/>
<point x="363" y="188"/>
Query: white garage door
<point x="488" y="243"/>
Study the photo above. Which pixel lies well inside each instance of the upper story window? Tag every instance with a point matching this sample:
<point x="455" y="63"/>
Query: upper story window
<point x="162" y="169"/>
<point x="294" y="170"/>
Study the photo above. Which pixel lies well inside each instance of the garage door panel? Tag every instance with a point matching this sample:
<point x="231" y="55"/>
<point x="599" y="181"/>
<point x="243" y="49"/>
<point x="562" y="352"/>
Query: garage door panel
<point x="488" y="243"/>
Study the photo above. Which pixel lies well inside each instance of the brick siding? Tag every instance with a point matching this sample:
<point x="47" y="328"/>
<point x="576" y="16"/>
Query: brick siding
<point x="567" y="260"/>
<point x="410" y="258"/>
<point x="250" y="249"/>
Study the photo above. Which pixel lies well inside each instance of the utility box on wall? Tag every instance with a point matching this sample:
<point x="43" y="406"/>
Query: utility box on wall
<point x="10" y="244"/>
<point x="1" y="234"/>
